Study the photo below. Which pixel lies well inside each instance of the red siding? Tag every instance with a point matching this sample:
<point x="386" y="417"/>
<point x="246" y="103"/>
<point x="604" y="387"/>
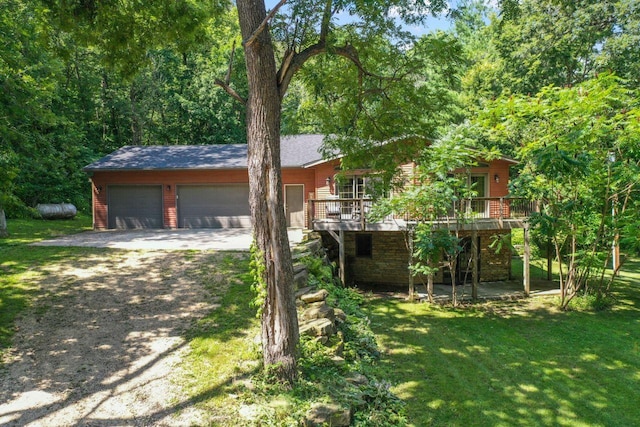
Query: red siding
<point x="324" y="171"/>
<point x="170" y="179"/>
<point x="499" y="168"/>
<point x="314" y="181"/>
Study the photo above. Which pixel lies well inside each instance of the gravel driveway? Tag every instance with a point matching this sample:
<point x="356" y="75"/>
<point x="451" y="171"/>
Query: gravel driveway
<point x="227" y="239"/>
<point x="102" y="344"/>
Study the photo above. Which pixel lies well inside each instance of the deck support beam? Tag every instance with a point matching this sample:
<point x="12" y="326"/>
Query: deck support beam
<point x="339" y="237"/>
<point x="549" y="260"/>
<point x="525" y="265"/>
<point x="474" y="264"/>
<point x="430" y="287"/>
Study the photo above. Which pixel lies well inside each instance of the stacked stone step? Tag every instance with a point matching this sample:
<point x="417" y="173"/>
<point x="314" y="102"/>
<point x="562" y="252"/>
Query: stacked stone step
<point x="318" y="319"/>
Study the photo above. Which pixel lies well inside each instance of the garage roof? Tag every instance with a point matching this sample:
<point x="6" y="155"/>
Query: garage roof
<point x="295" y="151"/>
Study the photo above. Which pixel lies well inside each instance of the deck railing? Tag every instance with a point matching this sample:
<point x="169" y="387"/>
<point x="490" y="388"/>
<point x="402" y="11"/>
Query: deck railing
<point x="355" y="210"/>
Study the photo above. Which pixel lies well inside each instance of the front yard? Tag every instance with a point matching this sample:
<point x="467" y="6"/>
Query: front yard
<point x="497" y="363"/>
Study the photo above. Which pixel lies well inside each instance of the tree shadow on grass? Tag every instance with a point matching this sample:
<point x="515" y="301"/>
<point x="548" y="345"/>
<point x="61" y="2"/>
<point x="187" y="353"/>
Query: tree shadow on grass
<point x="508" y="364"/>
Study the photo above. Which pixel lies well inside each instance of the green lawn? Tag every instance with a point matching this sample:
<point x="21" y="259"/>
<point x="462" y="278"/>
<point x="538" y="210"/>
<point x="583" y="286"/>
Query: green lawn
<point x="514" y="363"/>
<point x="20" y="264"/>
<point x="491" y="364"/>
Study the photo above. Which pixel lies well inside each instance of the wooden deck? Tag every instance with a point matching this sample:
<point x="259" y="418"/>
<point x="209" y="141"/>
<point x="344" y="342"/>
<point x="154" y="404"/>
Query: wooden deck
<point x="487" y="213"/>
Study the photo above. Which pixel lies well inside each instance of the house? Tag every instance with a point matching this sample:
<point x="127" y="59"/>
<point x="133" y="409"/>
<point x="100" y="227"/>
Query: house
<point x="198" y="186"/>
<point x="206" y="186"/>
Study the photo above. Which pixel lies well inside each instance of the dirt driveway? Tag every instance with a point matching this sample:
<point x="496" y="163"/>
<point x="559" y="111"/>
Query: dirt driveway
<point x="101" y="347"/>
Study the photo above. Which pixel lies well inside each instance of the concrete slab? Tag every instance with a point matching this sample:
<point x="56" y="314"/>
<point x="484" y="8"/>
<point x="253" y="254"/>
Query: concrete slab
<point x="222" y="239"/>
<point x="507" y="290"/>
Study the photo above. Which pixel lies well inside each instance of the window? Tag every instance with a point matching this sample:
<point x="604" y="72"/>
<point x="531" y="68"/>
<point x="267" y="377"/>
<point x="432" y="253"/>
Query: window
<point x="352" y="188"/>
<point x="364" y="245"/>
<point x="478" y="184"/>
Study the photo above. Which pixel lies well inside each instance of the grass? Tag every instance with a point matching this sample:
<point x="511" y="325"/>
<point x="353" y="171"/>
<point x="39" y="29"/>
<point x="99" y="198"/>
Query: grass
<point x="225" y="370"/>
<point x="514" y="363"/>
<point x="223" y="350"/>
<point x="490" y="364"/>
<point x="25" y="231"/>
<point x="21" y="265"/>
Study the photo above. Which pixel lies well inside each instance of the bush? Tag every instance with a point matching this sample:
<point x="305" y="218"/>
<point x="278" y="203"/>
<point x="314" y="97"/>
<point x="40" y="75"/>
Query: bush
<point x="592" y="301"/>
<point x="15" y="209"/>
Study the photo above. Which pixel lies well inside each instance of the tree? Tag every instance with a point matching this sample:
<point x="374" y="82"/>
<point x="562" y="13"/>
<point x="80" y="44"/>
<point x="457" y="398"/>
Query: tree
<point x="581" y="159"/>
<point x="482" y="79"/>
<point x="279" y="321"/>
<point x="305" y="31"/>
<point x="62" y="105"/>
<point x="7" y="174"/>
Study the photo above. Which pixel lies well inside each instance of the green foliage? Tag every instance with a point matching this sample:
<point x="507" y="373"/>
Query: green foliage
<point x="563" y="43"/>
<point x="383" y="407"/>
<point x="580" y="158"/>
<point x="258" y="282"/>
<point x="498" y="241"/>
<point x="322" y="379"/>
<point x="126" y="31"/>
<point x="63" y="106"/>
<point x="385" y="109"/>
<point x="359" y="342"/>
<point x="435" y="192"/>
<point x="592" y="301"/>
<point x="429" y="245"/>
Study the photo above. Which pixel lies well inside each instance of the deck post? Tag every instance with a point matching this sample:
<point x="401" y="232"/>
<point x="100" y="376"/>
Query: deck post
<point x="525" y="265"/>
<point x="549" y="260"/>
<point x="341" y="257"/>
<point x="430" y="287"/>
<point x="412" y="289"/>
<point x="474" y="264"/>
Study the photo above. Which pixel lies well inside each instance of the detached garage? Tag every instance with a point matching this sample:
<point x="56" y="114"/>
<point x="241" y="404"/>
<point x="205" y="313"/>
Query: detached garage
<point x="193" y="186"/>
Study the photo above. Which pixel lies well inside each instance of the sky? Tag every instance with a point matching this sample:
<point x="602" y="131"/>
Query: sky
<point x="432" y="24"/>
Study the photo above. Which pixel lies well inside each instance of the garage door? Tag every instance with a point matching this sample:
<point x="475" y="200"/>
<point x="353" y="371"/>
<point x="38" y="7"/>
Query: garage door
<point x="214" y="206"/>
<point x="135" y="206"/>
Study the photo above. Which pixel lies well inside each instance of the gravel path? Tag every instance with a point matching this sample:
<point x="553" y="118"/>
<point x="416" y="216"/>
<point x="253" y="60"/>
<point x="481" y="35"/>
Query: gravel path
<point x="102" y="346"/>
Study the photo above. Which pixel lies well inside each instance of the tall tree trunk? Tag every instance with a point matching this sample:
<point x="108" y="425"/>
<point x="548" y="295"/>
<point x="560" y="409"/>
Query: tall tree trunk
<point x="3" y="224"/>
<point x="279" y="318"/>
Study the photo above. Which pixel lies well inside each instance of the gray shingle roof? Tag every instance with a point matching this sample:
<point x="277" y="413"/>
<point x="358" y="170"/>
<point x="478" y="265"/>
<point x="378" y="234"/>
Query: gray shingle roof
<point x="295" y="151"/>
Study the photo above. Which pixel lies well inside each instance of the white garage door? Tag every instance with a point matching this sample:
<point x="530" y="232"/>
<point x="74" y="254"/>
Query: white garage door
<point x="135" y="206"/>
<point x="214" y="206"/>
